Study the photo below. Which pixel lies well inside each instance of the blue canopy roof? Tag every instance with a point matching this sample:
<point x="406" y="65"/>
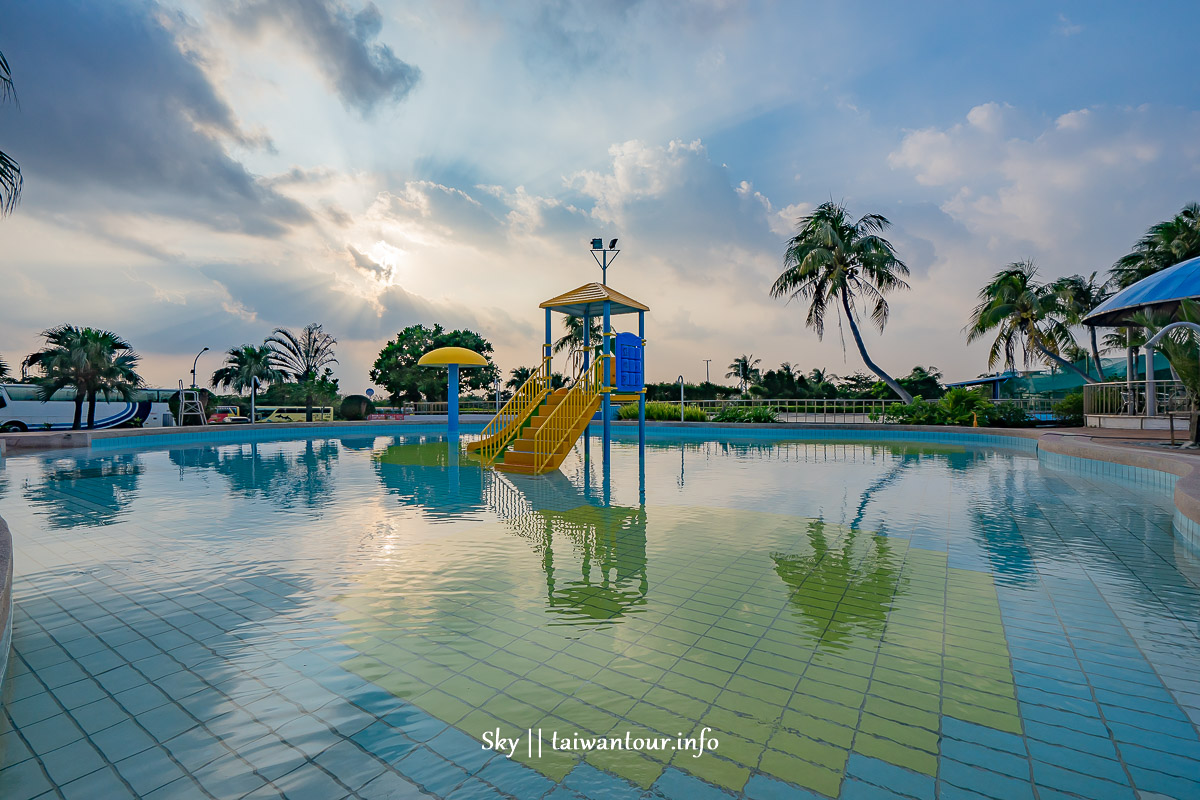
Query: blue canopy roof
<point x="1162" y="290"/>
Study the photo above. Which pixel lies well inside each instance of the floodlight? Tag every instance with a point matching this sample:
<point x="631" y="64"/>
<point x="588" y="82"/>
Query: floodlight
<point x="612" y="245"/>
<point x="597" y="244"/>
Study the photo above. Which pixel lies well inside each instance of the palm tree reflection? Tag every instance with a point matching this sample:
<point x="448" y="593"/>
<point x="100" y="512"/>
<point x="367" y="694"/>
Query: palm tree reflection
<point x="84" y="491"/>
<point x="287" y="475"/>
<point x="844" y="587"/>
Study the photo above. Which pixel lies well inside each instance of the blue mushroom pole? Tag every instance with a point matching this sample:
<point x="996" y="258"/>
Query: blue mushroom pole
<point x="607" y="402"/>
<point x="452" y="402"/>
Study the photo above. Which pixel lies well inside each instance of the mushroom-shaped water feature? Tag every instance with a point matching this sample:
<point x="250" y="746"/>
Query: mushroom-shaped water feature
<point x="452" y="358"/>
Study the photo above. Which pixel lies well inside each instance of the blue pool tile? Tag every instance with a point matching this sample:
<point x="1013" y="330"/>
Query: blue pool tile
<point x="101" y="783"/>
<point x="1055" y="777"/>
<point x="475" y="789"/>
<point x="519" y="780"/>
<point x="1123" y="719"/>
<point x="897" y="779"/>
<point x="1100" y="767"/>
<point x="988" y="737"/>
<point x="390" y="786"/>
<point x="122" y="740"/>
<point x="1160" y="761"/>
<point x="1064" y="719"/>
<point x="70" y="762"/>
<point x="1016" y="766"/>
<point x="350" y="765"/>
<point x="431" y="771"/>
<point x="1148" y="780"/>
<point x="760" y="787"/>
<point x="985" y="782"/>
<point x="149" y="770"/>
<point x="51" y="734"/>
<point x="461" y="749"/>
<point x="310" y="782"/>
<point x="859" y="790"/>
<point x="677" y="785"/>
<point x="34" y="708"/>
<point x="384" y="741"/>
<point x="1052" y="734"/>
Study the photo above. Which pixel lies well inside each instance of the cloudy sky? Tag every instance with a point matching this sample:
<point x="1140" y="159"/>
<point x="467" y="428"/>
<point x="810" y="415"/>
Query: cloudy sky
<point x="198" y="173"/>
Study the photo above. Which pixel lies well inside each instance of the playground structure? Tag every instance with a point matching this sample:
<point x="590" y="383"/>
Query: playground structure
<point x="538" y="426"/>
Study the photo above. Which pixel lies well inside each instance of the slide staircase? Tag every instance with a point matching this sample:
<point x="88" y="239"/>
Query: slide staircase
<point x="513" y="417"/>
<point x="542" y="441"/>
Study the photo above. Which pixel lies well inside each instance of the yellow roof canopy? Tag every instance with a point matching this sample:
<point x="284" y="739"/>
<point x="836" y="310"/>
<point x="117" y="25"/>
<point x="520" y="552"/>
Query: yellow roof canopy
<point x="589" y="299"/>
<point x="445" y="356"/>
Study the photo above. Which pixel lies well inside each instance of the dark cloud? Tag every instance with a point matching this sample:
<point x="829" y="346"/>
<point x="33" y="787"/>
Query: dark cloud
<point x="366" y="263"/>
<point x="116" y="114"/>
<point x="363" y="73"/>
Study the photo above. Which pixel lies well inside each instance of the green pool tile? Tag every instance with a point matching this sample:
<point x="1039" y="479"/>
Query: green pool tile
<point x="727" y="721"/>
<point x="512" y="710"/>
<point x="627" y="685"/>
<point x="637" y="669"/>
<point x="905" y="715"/>
<point x="900" y="661"/>
<point x="573" y="666"/>
<point x="658" y="719"/>
<point x="470" y="691"/>
<point x="556" y="679"/>
<point x="843" y="680"/>
<point x="553" y="765"/>
<point x="821" y="729"/>
<point x="923" y="701"/>
<point x="367" y="667"/>
<point x="759" y="691"/>
<point x="910" y="735"/>
<point x="885" y="681"/>
<point x="690" y="687"/>
<point x="605" y="697"/>
<point x="895" y="753"/>
<point x="750" y="706"/>
<point x="714" y="769"/>
<point x="662" y="654"/>
<point x="992" y="702"/>
<point x="822" y="753"/>
<point x="447" y="708"/>
<point x="587" y="717"/>
<point x="736" y="748"/>
<point x="633" y="767"/>
<point x="489" y="675"/>
<point x="824" y="709"/>
<point x="827" y="691"/>
<point x="804" y="773"/>
<point x="403" y="685"/>
<point x="840" y="663"/>
<point x="477" y="721"/>
<point x="982" y="716"/>
<point x="962" y="684"/>
<point x="675" y="702"/>
<point x="702" y="672"/>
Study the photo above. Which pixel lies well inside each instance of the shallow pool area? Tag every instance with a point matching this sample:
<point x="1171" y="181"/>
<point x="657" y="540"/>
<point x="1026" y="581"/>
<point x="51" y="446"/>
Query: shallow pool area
<point x="376" y="616"/>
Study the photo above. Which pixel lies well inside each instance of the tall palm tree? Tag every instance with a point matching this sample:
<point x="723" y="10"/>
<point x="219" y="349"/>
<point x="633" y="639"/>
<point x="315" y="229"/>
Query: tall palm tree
<point x="1163" y="245"/>
<point x="4" y="373"/>
<point x="1026" y="315"/>
<point x="745" y="370"/>
<point x="833" y="258"/>
<point x="302" y="358"/>
<point x="89" y="361"/>
<point x="1079" y="295"/>
<point x="244" y="364"/>
<point x="518" y="376"/>
<point x="572" y="338"/>
<point x="10" y="171"/>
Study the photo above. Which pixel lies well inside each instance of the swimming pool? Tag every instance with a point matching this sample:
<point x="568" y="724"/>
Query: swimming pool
<point x="366" y="615"/>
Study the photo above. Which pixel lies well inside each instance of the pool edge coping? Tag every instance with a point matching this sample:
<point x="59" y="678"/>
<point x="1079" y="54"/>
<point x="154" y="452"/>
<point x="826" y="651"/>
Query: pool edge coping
<point x="6" y="599"/>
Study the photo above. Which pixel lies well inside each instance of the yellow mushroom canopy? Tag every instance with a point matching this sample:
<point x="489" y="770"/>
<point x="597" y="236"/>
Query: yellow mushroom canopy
<point x="445" y="356"/>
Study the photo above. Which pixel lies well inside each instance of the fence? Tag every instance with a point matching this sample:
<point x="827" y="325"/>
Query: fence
<point x="806" y="410"/>
<point x="1131" y="398"/>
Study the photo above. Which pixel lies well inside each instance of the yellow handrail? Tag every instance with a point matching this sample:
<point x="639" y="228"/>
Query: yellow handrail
<point x="562" y="421"/>
<point x="507" y="422"/>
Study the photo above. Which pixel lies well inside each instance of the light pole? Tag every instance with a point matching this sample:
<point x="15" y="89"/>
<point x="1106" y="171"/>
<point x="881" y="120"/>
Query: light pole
<point x="681" y="398"/>
<point x="604" y="257"/>
<point x="707" y="361"/>
<point x="197" y="358"/>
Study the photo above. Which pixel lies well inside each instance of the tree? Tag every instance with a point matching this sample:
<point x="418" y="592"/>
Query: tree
<point x="1025" y="314"/>
<point x="518" y="376"/>
<point x="4" y="372"/>
<point x="1079" y="295"/>
<point x="244" y="364"/>
<point x="396" y="370"/>
<point x="744" y="369"/>
<point x="572" y="338"/>
<point x="88" y="361"/>
<point x="1163" y="245"/>
<point x="834" y="259"/>
<point x="305" y="359"/>
<point x="10" y="171"/>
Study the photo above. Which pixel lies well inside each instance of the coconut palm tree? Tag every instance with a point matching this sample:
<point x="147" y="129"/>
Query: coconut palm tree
<point x="833" y="258"/>
<point x="244" y="364"/>
<point x="518" y="376"/>
<point x="744" y="369"/>
<point x="4" y="372"/>
<point x="10" y="171"/>
<point x="90" y="362"/>
<point x="1164" y="245"/>
<point x="1079" y="295"/>
<point x="1025" y="314"/>
<point x="572" y="338"/>
<point x="303" y="358"/>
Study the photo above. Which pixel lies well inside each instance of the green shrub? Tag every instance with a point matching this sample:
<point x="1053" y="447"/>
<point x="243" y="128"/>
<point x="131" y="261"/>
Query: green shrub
<point x="958" y="406"/>
<point x="1069" y="410"/>
<point x="663" y="412"/>
<point x="1009" y="415"/>
<point x="356" y="407"/>
<point x="743" y="414"/>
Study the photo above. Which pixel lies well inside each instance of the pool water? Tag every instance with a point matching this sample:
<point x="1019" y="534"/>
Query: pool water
<point x="365" y="616"/>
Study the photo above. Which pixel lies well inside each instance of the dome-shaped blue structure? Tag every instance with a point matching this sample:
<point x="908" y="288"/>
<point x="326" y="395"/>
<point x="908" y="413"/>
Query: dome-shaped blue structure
<point x="1162" y="290"/>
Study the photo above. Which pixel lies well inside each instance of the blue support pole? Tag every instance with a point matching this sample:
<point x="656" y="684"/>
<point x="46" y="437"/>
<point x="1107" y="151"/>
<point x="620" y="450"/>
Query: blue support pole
<point x="547" y="348"/>
<point x="607" y="403"/>
<point x="642" y="396"/>
<point x="452" y="403"/>
<point x="587" y="360"/>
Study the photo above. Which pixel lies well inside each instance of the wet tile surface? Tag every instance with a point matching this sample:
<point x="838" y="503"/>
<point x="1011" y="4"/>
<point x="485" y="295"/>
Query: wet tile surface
<point x="347" y="618"/>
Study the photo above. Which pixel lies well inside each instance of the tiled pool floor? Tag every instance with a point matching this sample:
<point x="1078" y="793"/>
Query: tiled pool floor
<point x="341" y="618"/>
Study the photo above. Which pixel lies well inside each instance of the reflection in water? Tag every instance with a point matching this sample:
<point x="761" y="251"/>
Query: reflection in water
<point x="287" y="475"/>
<point x="843" y="563"/>
<point x="83" y="491"/>
<point x="429" y="474"/>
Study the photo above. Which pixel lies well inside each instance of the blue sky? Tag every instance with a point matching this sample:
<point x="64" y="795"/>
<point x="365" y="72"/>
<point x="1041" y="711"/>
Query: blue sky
<point x="199" y="173"/>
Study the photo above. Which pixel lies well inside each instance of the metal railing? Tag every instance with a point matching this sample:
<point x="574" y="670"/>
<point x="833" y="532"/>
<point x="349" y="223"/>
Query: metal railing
<point x="805" y="410"/>
<point x="497" y="433"/>
<point x="1031" y="405"/>
<point x="1132" y="398"/>
<point x="579" y="402"/>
